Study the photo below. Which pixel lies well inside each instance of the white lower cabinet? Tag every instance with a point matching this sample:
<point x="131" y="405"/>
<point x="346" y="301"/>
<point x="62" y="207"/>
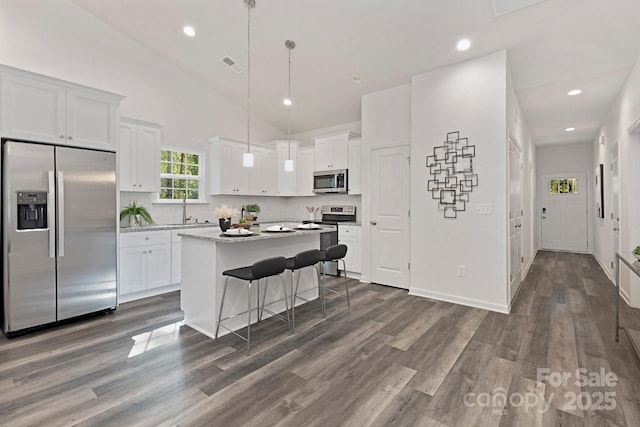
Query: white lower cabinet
<point x="350" y="235"/>
<point x="145" y="261"/>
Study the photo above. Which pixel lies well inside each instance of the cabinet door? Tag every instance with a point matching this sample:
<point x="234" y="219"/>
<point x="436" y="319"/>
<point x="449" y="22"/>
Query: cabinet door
<point x="133" y="270"/>
<point x="304" y="172"/>
<point x="264" y="174"/>
<point x="127" y="157"/>
<point x="234" y="178"/>
<point x="158" y="265"/>
<point x="355" y="174"/>
<point x="350" y="236"/>
<point x="324" y="155"/>
<point x="92" y="120"/>
<point x="32" y="109"/>
<point x="340" y="155"/>
<point x="148" y="159"/>
<point x="176" y="263"/>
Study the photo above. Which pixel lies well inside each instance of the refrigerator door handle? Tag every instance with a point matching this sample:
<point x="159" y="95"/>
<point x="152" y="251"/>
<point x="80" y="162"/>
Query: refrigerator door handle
<point x="50" y="214"/>
<point x="60" y="183"/>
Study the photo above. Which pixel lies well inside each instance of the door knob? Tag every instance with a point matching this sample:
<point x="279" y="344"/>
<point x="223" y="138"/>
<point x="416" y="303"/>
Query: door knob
<point x="373" y="222"/>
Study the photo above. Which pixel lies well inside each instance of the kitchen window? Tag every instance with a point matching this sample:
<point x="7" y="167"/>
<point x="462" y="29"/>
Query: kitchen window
<point x="181" y="171"/>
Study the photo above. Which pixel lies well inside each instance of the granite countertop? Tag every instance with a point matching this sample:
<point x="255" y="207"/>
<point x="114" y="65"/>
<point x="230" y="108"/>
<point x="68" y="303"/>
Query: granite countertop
<point x="216" y="235"/>
<point x="158" y="227"/>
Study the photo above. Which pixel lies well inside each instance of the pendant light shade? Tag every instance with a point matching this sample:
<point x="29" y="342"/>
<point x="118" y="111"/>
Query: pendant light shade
<point x="247" y="158"/>
<point x="288" y="164"/>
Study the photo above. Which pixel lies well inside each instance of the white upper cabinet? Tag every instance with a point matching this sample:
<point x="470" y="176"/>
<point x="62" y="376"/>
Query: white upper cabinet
<point x="332" y="151"/>
<point x="225" y="170"/>
<point x="92" y="119"/>
<point x="42" y="109"/>
<point x="304" y="171"/>
<point x="226" y="175"/>
<point x="355" y="169"/>
<point x="139" y="156"/>
<point x="287" y="180"/>
<point x="263" y="176"/>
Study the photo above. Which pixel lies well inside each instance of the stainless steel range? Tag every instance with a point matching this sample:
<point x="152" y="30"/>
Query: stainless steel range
<point x="334" y="215"/>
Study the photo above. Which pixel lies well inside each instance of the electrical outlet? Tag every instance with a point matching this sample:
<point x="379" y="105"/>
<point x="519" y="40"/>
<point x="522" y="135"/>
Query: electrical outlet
<point x="460" y="270"/>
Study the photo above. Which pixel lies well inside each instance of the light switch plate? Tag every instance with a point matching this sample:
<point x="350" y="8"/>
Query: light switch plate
<point x="484" y="209"/>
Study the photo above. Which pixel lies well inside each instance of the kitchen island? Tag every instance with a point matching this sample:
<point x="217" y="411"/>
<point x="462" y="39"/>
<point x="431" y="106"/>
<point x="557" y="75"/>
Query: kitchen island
<point x="207" y="253"/>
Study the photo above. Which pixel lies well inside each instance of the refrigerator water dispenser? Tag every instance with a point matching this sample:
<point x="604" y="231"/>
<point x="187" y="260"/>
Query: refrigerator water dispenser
<point x="32" y="210"/>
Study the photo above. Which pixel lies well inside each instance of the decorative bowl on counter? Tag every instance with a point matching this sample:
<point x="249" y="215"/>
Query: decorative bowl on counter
<point x="246" y="225"/>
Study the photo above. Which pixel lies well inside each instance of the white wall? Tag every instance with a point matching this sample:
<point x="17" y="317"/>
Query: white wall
<point x="471" y="98"/>
<point x="624" y="112"/>
<point x="568" y="158"/>
<point x="386" y="121"/>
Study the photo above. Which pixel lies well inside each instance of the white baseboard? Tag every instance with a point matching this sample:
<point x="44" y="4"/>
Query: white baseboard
<point x="604" y="267"/>
<point x="364" y="279"/>
<point x="486" y="305"/>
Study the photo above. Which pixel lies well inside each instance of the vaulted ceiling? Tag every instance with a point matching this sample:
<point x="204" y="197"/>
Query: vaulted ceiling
<point x="554" y="46"/>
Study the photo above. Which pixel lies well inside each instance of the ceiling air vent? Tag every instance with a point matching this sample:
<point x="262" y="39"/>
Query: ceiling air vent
<point x="502" y="7"/>
<point x="233" y="64"/>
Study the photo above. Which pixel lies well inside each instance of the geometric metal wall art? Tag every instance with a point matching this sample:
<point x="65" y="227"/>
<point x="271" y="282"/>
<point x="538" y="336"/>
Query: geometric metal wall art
<point x="452" y="175"/>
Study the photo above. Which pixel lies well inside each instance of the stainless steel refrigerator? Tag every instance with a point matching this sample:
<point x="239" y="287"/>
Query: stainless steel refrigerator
<point x="58" y="232"/>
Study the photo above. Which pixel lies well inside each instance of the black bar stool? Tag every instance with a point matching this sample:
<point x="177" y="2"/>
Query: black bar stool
<point x="301" y="260"/>
<point x="334" y="253"/>
<point x="259" y="270"/>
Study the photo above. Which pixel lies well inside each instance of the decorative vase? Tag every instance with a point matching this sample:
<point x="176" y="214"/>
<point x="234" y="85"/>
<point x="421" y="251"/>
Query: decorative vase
<point x="225" y="223"/>
<point x="312" y="216"/>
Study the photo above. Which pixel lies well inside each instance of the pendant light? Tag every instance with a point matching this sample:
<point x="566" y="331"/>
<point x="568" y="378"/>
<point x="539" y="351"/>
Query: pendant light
<point x="247" y="158"/>
<point x="288" y="164"/>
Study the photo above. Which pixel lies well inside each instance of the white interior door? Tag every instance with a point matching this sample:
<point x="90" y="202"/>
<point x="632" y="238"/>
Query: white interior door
<point x="515" y="217"/>
<point x="564" y="211"/>
<point x="615" y="207"/>
<point x="390" y="216"/>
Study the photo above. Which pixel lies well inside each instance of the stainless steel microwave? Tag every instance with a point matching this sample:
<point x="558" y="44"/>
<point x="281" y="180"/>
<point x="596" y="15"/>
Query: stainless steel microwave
<point x="334" y="181"/>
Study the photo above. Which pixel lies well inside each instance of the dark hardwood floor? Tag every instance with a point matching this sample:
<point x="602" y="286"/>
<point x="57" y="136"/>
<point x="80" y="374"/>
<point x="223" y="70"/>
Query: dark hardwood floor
<point x="390" y="360"/>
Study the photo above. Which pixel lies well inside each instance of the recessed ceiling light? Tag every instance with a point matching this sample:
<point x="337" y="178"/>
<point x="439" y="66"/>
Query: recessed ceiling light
<point x="287" y="102"/>
<point x="570" y="129"/>
<point x="189" y="30"/>
<point x="463" y="44"/>
<point x="356" y="78"/>
<point x="574" y="92"/>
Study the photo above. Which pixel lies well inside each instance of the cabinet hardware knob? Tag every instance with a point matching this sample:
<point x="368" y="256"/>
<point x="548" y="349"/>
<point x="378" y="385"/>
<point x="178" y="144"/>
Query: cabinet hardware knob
<point x="146" y="238"/>
<point x="144" y="252"/>
<point x="70" y="137"/>
<point x="149" y="251"/>
<point x="61" y="136"/>
<point x="373" y="222"/>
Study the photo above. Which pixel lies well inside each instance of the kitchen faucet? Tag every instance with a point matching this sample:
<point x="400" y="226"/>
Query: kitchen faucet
<point x="185" y="218"/>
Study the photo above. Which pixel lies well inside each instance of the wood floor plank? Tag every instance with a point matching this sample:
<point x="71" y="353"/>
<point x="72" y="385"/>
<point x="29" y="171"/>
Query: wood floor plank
<point x="563" y="359"/>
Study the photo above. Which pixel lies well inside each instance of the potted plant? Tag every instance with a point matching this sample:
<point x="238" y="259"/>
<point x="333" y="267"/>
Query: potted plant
<point x="136" y="214"/>
<point x="253" y="210"/>
<point x="636" y="253"/>
<point x="224" y="214"/>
